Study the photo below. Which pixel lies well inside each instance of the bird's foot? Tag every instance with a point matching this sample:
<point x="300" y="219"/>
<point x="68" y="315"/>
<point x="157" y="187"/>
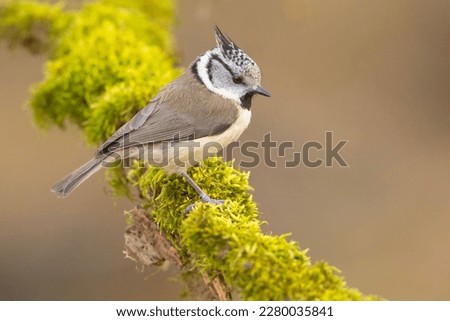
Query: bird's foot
<point x="205" y="199"/>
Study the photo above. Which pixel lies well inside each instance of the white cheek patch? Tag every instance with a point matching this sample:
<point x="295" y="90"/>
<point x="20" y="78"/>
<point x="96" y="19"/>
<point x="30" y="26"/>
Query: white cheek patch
<point x="202" y="71"/>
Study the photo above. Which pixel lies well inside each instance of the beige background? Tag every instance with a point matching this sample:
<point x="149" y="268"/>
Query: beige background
<point x="373" y="72"/>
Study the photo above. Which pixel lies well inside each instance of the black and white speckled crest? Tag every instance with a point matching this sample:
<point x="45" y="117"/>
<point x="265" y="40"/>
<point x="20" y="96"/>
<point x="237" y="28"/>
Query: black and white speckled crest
<point x="236" y="55"/>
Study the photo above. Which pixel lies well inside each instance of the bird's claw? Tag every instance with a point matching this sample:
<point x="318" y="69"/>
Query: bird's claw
<point x="205" y="199"/>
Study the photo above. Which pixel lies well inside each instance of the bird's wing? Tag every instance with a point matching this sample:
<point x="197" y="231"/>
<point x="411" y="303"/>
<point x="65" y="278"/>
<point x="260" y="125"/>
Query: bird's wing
<point x="158" y="122"/>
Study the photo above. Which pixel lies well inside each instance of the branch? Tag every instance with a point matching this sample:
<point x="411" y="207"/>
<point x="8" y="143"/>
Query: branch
<point x="146" y="245"/>
<point x="225" y="242"/>
<point x="144" y="242"/>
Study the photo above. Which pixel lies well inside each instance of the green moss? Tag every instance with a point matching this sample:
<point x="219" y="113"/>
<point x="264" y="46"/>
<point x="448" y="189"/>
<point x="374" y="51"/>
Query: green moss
<point x="107" y="62"/>
<point x="33" y="25"/>
<point x="116" y="178"/>
<point x="170" y="196"/>
<point x="227" y="240"/>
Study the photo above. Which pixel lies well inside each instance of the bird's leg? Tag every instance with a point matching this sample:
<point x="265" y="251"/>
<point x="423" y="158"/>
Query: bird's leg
<point x="204" y="197"/>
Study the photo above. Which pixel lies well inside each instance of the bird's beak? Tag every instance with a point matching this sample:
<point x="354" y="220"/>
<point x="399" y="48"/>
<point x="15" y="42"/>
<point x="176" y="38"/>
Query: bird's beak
<point x="260" y="90"/>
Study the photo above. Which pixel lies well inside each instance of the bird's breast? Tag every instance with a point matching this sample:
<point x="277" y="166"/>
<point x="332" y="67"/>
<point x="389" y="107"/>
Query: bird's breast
<point x="233" y="132"/>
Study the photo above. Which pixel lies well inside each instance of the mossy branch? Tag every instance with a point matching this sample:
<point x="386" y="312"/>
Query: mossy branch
<point x="106" y="60"/>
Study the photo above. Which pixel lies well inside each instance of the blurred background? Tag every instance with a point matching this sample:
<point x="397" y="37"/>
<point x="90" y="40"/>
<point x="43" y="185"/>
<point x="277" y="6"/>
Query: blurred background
<point x="376" y="73"/>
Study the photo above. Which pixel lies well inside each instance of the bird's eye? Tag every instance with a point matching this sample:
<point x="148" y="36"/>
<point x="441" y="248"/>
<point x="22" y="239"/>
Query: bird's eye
<point x="238" y="80"/>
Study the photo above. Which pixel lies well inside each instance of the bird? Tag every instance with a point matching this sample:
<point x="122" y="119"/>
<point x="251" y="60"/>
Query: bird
<point x="206" y="108"/>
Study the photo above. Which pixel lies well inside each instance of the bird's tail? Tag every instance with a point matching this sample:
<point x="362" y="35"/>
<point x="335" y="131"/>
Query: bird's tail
<point x="65" y="186"/>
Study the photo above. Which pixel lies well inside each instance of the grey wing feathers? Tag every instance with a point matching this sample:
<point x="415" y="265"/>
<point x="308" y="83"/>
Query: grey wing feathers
<point x="137" y="121"/>
<point x="157" y="122"/>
